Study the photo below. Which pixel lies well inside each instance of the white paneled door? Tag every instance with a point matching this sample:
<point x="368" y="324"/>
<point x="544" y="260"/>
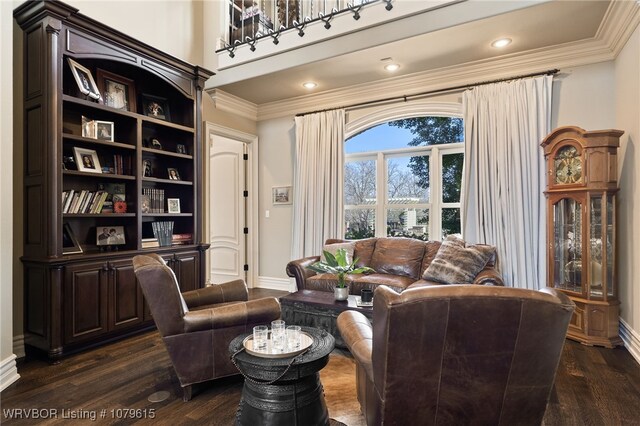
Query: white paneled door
<point x="227" y="209"/>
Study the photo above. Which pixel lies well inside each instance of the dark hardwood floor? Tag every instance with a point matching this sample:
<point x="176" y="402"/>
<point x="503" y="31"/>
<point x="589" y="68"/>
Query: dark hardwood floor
<point x="594" y="386"/>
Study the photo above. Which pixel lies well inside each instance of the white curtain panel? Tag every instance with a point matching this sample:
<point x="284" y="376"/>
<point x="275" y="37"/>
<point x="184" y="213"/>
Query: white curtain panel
<point x="504" y="175"/>
<point x="317" y="181"/>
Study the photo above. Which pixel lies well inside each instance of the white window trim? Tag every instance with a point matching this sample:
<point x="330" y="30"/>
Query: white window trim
<point x="420" y="108"/>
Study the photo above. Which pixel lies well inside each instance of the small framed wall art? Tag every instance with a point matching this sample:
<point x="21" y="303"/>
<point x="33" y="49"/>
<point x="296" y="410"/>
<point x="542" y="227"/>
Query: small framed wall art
<point x="282" y="195"/>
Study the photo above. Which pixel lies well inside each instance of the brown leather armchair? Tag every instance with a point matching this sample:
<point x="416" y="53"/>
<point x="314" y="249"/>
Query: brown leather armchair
<point x="197" y="326"/>
<point x="457" y="354"/>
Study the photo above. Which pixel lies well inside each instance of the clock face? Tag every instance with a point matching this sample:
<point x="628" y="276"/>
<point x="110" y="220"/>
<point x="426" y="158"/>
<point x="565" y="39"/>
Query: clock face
<point x="568" y="166"/>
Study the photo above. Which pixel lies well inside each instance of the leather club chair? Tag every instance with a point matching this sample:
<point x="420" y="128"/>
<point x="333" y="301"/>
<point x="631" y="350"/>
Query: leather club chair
<point x="197" y="326"/>
<point x="456" y="354"/>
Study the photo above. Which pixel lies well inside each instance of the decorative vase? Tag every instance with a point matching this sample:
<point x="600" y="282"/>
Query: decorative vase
<point x="341" y="293"/>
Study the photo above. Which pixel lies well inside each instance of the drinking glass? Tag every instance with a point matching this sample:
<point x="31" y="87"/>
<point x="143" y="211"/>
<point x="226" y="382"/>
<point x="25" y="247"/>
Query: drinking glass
<point x="260" y="334"/>
<point x="293" y="337"/>
<point x="278" y="334"/>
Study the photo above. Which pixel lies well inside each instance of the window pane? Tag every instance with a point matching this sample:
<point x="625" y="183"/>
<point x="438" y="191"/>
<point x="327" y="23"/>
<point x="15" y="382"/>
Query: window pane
<point x="450" y="222"/>
<point x="408" y="180"/>
<point x="360" y="182"/>
<point x="359" y="223"/>
<point x="451" y="177"/>
<point x="411" y="223"/>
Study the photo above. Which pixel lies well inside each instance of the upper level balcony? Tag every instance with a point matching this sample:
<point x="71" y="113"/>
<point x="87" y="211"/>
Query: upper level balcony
<point x="259" y="37"/>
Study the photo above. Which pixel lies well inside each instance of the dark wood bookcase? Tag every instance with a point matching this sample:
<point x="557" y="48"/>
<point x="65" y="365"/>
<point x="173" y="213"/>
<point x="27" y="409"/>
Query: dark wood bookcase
<point x="74" y="300"/>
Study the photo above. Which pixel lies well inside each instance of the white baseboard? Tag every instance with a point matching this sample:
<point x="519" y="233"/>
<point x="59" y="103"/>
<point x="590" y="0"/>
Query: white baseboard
<point x="631" y="339"/>
<point x="18" y="346"/>
<point x="8" y="372"/>
<point x="283" y="284"/>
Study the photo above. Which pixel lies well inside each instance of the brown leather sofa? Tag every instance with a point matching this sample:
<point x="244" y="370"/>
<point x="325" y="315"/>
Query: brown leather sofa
<point x="446" y="355"/>
<point x="197" y="326"/>
<point x="399" y="264"/>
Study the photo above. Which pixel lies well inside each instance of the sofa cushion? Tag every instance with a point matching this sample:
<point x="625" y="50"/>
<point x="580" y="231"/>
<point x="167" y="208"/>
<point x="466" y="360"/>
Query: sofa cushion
<point x="457" y="263"/>
<point x="333" y="249"/>
<point x="364" y="251"/>
<point x="371" y="281"/>
<point x="326" y="282"/>
<point x="398" y="256"/>
<point x="430" y="250"/>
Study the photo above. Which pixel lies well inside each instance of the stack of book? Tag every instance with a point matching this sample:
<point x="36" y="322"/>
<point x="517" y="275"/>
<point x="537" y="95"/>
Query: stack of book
<point x="156" y="199"/>
<point x="83" y="201"/>
<point x="179" y="239"/>
<point x="150" y="242"/>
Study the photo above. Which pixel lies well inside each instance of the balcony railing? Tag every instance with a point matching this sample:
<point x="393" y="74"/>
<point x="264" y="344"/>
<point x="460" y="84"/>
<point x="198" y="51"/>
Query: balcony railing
<point x="251" y="20"/>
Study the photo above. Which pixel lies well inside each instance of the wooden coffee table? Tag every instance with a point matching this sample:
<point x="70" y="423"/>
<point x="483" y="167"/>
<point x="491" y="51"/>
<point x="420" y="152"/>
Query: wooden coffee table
<point x="319" y="309"/>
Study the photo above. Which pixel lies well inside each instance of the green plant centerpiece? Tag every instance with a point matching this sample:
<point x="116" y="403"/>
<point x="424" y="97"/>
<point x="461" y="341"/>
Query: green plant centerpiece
<point x="341" y="266"/>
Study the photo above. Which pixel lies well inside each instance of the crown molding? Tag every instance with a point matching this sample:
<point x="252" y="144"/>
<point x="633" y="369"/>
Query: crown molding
<point x="233" y="104"/>
<point x="620" y="21"/>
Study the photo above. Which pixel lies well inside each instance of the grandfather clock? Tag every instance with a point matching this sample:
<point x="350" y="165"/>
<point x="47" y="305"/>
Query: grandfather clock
<point x="581" y="209"/>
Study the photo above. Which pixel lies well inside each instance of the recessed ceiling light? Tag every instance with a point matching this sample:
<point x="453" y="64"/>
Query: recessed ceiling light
<point x="392" y="67"/>
<point x="310" y="85"/>
<point x="502" y="42"/>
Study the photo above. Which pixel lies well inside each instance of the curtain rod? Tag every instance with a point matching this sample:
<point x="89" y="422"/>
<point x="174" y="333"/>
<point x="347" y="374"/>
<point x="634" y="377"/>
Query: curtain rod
<point x="406" y="98"/>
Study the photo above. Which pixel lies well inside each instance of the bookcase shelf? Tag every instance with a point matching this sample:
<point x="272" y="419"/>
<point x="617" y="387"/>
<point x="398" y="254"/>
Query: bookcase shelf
<point x="98" y="175"/>
<point x="89" y="142"/>
<point x="82" y="289"/>
<point x="167" y="181"/>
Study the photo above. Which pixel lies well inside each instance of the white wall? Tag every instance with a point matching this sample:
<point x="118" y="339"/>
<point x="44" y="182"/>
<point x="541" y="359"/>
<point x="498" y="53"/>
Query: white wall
<point x="627" y="108"/>
<point x="277" y="144"/>
<point x="8" y="371"/>
<point x="584" y="97"/>
<point x="173" y="26"/>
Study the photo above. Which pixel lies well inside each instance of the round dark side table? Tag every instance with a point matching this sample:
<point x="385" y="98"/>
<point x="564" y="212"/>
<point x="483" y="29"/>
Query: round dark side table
<point x="275" y="398"/>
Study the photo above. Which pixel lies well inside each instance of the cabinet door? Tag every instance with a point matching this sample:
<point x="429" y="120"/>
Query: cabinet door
<point x="187" y="269"/>
<point x="85" y="301"/>
<point x="126" y="307"/>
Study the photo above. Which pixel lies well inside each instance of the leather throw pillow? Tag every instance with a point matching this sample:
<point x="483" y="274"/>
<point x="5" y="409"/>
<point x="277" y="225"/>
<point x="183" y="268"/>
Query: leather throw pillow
<point x="333" y="248"/>
<point x="457" y="263"/>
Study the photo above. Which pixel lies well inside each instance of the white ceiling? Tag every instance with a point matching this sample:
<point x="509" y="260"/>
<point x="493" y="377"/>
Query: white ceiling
<point x="539" y="26"/>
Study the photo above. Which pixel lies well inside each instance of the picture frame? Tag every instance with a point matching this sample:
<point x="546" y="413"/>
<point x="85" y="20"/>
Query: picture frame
<point x="104" y="130"/>
<point x="110" y="235"/>
<point x="173" y="174"/>
<point x="181" y="149"/>
<point x="88" y="128"/>
<point x="84" y="80"/>
<point x="173" y="205"/>
<point x="156" y="107"/>
<point x="119" y="92"/>
<point x="155" y="144"/>
<point x="282" y="195"/>
<point x="147" y="170"/>
<point x="145" y="204"/>
<point x="70" y="244"/>
<point x="87" y="160"/>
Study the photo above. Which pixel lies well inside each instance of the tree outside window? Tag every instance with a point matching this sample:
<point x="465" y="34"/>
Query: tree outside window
<point x="403" y="178"/>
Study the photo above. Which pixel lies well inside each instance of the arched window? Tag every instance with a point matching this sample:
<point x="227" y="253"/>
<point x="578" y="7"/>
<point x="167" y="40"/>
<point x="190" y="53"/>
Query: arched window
<point x="403" y="178"/>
